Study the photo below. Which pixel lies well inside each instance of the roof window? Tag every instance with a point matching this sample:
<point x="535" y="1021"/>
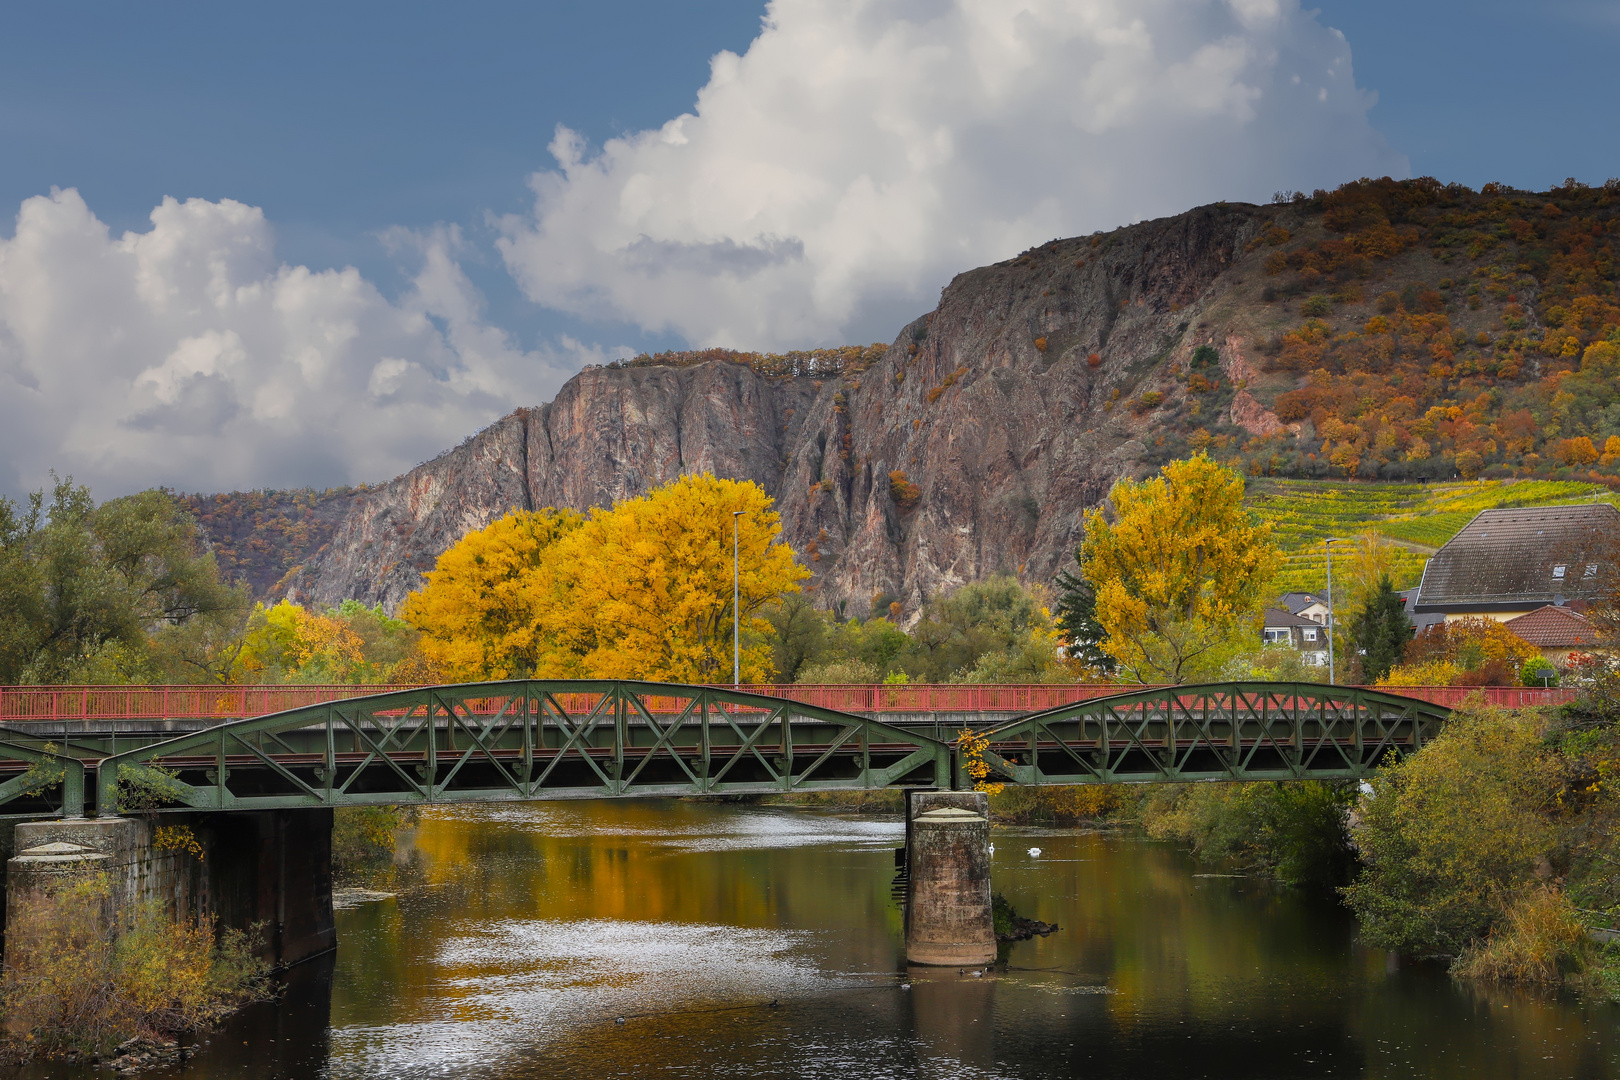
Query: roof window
<point x="1558" y="571"/>
<point x="1591" y="569"/>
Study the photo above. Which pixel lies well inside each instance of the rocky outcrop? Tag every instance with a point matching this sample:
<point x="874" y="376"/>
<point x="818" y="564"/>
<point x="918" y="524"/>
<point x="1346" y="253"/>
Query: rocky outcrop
<point x="975" y="445"/>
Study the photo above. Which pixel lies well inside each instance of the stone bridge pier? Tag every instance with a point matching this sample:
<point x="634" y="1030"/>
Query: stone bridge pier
<point x="268" y="872"/>
<point x="948" y="916"/>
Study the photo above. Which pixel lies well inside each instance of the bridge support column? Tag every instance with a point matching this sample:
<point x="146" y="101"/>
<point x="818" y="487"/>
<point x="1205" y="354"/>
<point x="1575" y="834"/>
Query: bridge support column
<point x="269" y="869"/>
<point x="53" y="855"/>
<point x="948" y="920"/>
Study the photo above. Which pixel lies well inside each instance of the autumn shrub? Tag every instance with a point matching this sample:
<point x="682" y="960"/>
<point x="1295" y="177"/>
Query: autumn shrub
<point x="1061" y="805"/>
<point x="1094" y="360"/>
<point x="904" y="493"/>
<point x="1316" y="306"/>
<point x="1539" y="939"/>
<point x="1449" y="835"/>
<point x="72" y="987"/>
<point x="364" y="837"/>
<point x="1294" y="831"/>
<point x="945" y="384"/>
<point x="1464" y="652"/>
<point x="1040" y="344"/>
<point x="1146" y="402"/>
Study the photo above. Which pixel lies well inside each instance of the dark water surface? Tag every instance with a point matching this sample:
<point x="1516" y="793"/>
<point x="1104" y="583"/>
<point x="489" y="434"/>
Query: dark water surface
<point x="521" y="934"/>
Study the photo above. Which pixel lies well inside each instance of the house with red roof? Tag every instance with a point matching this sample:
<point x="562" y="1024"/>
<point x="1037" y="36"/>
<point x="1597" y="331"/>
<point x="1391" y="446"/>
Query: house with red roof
<point x="1557" y="631"/>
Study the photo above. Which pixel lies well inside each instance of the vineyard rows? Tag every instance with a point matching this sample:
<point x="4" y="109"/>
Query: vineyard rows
<point x="1420" y="517"/>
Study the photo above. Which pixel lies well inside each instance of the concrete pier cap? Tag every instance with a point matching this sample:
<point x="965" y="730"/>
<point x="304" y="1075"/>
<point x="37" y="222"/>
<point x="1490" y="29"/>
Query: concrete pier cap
<point x="948" y="917"/>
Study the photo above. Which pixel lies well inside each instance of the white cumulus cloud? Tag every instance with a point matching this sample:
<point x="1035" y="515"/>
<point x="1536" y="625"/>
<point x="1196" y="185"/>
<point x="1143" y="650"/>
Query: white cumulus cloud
<point x="833" y="177"/>
<point x="188" y="355"/>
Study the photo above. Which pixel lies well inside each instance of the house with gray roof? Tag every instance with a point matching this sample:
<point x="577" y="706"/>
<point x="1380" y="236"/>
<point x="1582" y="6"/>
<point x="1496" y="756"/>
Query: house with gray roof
<point x="1307" y="605"/>
<point x="1283" y="627"/>
<point x="1511" y="561"/>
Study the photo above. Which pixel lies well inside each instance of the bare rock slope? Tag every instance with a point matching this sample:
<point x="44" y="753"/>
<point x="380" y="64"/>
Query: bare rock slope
<point x="974" y="445"/>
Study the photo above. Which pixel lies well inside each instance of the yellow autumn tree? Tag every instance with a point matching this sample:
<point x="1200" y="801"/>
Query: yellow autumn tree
<point x="1180" y="569"/>
<point x="641" y="591"/>
<point x="1371" y="558"/>
<point x="480" y="612"/>
<point x="350" y="643"/>
<point x="290" y="641"/>
<point x="649" y="584"/>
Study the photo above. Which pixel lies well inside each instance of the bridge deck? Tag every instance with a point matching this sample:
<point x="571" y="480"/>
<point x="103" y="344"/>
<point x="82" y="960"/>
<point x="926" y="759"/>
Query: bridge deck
<point x="538" y="740"/>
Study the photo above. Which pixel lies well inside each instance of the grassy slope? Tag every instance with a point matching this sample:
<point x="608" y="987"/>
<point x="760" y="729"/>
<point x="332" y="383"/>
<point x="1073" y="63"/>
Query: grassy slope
<point x="1419" y="517"/>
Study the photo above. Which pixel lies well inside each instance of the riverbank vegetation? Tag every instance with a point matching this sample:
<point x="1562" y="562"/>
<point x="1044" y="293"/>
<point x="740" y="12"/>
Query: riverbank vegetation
<point x="73" y="987"/>
<point x="364" y="838"/>
<point x="1498" y="845"/>
<point x="1294" y="832"/>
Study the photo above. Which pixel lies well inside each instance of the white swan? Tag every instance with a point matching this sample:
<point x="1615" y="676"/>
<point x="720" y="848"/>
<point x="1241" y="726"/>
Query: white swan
<point x="1034" y="852"/>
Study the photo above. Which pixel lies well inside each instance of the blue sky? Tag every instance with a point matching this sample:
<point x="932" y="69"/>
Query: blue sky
<point x="340" y="119"/>
<point x="402" y="139"/>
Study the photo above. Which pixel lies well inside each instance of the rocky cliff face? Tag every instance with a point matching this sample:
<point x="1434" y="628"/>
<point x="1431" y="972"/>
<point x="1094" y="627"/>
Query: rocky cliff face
<point x="974" y="445"/>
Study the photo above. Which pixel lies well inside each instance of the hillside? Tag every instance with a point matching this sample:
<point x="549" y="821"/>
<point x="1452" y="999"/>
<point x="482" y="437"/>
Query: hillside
<point x="259" y="536"/>
<point x="1418" y="518"/>
<point x="1382" y="332"/>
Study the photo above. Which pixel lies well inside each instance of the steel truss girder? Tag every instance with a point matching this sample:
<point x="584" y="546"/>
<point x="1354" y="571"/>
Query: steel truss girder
<point x="525" y="740"/>
<point x="29" y="749"/>
<point x="1221" y="731"/>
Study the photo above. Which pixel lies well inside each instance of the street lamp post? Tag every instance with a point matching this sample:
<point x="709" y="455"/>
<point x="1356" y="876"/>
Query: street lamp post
<point x="736" y="618"/>
<point x="1328" y="544"/>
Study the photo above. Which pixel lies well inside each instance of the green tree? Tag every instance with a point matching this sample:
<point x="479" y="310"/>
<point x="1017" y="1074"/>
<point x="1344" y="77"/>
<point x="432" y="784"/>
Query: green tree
<point x="1380" y="631"/>
<point x="90" y="593"/>
<point x="959" y="630"/>
<point x="798" y="635"/>
<point x="1083" y="635"/>
<point x="1448" y="833"/>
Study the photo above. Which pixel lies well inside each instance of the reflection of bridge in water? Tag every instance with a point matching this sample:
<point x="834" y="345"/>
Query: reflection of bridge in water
<point x="531" y="740"/>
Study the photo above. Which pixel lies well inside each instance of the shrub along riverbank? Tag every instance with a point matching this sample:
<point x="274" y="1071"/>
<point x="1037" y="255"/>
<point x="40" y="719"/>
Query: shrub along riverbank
<point x="72" y="988"/>
<point x="1494" y="848"/>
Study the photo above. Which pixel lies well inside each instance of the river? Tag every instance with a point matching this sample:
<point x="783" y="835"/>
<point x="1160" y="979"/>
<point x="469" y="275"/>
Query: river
<point x="680" y="939"/>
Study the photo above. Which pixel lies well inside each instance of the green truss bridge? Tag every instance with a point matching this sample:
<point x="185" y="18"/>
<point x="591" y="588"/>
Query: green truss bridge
<point x="529" y="740"/>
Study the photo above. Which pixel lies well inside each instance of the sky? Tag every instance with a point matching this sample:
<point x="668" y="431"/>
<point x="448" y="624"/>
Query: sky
<point x="316" y="244"/>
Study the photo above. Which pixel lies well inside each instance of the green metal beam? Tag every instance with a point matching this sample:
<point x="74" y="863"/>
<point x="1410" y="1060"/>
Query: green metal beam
<point x="48" y="768"/>
<point x="521" y="740"/>
<point x="535" y="739"/>
<point x="1223" y="731"/>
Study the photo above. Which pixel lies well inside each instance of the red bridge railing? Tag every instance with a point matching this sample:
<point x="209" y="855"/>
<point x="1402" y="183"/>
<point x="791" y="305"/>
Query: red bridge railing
<point x="45" y="703"/>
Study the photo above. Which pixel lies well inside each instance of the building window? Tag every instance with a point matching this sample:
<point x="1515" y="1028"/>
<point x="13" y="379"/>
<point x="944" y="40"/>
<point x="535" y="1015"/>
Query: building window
<point x="1558" y="573"/>
<point x="1310" y="635"/>
<point x="1273" y="636"/>
<point x="1591" y="570"/>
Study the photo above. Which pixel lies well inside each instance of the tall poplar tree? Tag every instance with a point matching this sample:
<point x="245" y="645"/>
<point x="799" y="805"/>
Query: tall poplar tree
<point x="1180" y="568"/>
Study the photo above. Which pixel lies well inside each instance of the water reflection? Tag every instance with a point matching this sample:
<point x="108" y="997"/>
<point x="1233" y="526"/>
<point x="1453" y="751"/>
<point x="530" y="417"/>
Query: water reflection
<point x="652" y="939"/>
